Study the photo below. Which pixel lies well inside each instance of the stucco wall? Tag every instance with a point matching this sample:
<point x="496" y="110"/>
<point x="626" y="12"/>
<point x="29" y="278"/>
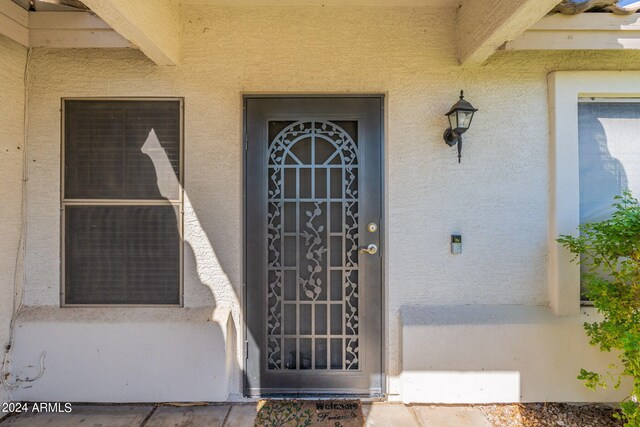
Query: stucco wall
<point x="12" y="63"/>
<point x="490" y="353"/>
<point x="497" y="198"/>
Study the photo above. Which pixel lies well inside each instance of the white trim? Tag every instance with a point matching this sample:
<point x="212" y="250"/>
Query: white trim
<point x="587" y="21"/>
<point x="588" y="100"/>
<point x="565" y="91"/>
<point x="588" y="31"/>
<point x="70" y="39"/>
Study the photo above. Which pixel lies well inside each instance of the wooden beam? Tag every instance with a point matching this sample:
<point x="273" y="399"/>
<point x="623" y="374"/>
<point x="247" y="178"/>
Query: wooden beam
<point x="57" y="29"/>
<point x="483" y="27"/>
<point x="77" y="39"/>
<point x="72" y="30"/>
<point x="588" y="31"/>
<point x="66" y="21"/>
<point x="15" y="12"/>
<point x="14" y="22"/>
<point x="151" y="25"/>
<point x="580" y="40"/>
<point x="587" y="21"/>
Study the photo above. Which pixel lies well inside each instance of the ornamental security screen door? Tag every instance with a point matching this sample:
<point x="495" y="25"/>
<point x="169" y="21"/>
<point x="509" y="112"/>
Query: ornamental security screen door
<point x="313" y="268"/>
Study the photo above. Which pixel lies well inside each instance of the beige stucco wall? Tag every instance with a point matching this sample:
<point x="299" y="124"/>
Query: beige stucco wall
<point x="12" y="63"/>
<point x="497" y="198"/>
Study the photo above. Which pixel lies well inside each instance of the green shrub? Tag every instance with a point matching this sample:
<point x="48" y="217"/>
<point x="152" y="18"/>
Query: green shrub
<point x="610" y="251"/>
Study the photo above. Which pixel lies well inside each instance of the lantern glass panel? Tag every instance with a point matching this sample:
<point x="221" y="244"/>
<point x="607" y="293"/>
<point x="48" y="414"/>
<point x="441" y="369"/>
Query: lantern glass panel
<point x="464" y="119"/>
<point x="453" y="120"/>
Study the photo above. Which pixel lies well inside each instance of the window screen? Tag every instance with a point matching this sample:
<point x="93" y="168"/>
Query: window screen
<point x="609" y="155"/>
<point x="122" y="205"/>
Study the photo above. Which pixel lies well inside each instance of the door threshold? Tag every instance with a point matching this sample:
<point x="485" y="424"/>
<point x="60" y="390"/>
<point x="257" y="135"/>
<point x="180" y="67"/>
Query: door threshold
<point x="365" y="397"/>
<point x="313" y="397"/>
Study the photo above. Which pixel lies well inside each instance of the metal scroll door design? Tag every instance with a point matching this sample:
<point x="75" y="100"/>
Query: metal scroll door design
<point x="312" y="315"/>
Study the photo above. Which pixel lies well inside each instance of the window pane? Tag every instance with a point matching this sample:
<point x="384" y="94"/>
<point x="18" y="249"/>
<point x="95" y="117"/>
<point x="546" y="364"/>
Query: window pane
<point x="609" y="152"/>
<point x="609" y="155"/>
<point x="122" y="149"/>
<point x="122" y="255"/>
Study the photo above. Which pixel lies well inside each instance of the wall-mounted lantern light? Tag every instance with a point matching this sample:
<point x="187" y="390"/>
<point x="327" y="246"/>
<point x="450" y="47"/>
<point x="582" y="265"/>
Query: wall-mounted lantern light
<point x="460" y="117"/>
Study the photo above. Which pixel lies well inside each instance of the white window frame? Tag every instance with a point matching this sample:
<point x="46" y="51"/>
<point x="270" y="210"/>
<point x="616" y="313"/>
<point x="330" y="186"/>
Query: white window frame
<point x="178" y="203"/>
<point x="565" y="90"/>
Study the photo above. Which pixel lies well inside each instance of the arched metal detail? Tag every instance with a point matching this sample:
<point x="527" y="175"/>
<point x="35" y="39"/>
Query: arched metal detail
<point x="298" y="131"/>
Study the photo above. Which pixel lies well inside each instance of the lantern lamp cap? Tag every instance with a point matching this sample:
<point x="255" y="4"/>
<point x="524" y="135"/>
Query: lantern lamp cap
<point x="461" y="105"/>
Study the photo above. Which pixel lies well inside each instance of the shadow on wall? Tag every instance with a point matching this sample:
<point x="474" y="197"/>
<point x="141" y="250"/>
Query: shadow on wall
<point x="227" y="311"/>
<point x="126" y="354"/>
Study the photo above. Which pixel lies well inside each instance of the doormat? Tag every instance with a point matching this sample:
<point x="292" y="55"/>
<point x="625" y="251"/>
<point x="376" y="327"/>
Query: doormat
<point x="309" y="413"/>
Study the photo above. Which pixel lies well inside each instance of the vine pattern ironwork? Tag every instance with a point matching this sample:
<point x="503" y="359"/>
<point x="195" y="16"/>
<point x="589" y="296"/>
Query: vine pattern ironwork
<point x="345" y="158"/>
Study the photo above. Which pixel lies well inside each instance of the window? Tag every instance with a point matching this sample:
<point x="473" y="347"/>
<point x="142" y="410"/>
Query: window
<point x="609" y="154"/>
<point x="568" y="116"/>
<point x="122" y="202"/>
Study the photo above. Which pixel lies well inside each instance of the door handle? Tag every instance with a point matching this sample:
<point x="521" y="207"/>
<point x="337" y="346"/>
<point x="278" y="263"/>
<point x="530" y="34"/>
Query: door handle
<point x="371" y="249"/>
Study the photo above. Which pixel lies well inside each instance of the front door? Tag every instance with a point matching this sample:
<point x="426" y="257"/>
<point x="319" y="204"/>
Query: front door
<point x="313" y="260"/>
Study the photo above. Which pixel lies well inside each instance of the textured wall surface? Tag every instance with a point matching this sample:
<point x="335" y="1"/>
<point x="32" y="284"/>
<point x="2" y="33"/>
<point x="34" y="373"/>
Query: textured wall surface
<point x="12" y="62"/>
<point x="161" y="355"/>
<point x="497" y="198"/>
<point x="506" y="353"/>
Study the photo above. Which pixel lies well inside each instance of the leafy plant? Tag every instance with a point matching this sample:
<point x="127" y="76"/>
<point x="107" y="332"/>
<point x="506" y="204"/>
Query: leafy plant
<point x="610" y="252"/>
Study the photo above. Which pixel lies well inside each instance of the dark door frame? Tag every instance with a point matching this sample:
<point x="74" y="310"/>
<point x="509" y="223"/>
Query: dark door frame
<point x="382" y="225"/>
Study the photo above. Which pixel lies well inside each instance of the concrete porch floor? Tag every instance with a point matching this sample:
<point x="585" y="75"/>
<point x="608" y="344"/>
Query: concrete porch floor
<point x="239" y="415"/>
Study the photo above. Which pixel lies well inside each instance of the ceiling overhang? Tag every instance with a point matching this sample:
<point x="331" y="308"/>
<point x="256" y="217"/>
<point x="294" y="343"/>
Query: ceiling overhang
<point x="152" y="26"/>
<point x="51" y="23"/>
<point x="482" y="27"/>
